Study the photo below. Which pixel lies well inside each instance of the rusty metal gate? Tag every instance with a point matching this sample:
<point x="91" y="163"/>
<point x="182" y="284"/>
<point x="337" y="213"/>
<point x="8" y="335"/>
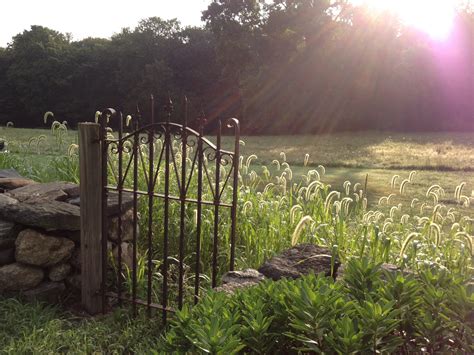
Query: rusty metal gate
<point x="179" y="192"/>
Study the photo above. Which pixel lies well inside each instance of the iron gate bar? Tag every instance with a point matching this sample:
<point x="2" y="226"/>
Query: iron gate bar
<point x="184" y="142"/>
<point x="171" y="197"/>
<point x="166" y="208"/>
<point x="235" y="124"/>
<point x="216" y="206"/>
<point x="199" y="212"/>
<point x="151" y="151"/>
<point x="135" y="219"/>
<point x="119" y="221"/>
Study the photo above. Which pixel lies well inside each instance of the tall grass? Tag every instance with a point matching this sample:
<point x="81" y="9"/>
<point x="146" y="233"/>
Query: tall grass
<point x="277" y="207"/>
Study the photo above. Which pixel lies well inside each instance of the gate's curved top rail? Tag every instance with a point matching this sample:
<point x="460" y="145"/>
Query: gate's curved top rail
<point x="176" y="128"/>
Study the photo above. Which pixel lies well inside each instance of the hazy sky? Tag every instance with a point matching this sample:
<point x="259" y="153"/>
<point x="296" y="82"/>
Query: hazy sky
<point x="91" y="18"/>
<point x="102" y="18"/>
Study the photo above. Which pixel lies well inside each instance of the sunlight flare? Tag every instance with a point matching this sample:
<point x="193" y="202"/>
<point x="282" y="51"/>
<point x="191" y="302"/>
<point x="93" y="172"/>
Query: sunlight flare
<point x="434" y="17"/>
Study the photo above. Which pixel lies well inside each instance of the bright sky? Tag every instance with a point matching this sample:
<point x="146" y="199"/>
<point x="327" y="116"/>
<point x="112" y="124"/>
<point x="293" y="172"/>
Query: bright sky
<point x="91" y="18"/>
<point x="102" y="18"/>
<point x="435" y="17"/>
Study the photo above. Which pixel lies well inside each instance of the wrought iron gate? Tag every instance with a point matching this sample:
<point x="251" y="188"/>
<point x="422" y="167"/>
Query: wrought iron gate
<point x="181" y="182"/>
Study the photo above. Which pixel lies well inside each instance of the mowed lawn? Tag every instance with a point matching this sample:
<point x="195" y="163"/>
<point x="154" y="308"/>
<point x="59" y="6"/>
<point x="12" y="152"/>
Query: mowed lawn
<point x="446" y="159"/>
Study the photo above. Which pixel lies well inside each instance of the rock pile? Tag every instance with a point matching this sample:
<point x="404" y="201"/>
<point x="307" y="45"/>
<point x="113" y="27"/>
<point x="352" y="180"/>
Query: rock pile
<point x="292" y="263"/>
<point x="40" y="236"/>
<point x="300" y="260"/>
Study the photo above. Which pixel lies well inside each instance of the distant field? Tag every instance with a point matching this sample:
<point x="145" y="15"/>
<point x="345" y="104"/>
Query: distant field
<point x="382" y="150"/>
<point x="443" y="158"/>
<point x="446" y="159"/>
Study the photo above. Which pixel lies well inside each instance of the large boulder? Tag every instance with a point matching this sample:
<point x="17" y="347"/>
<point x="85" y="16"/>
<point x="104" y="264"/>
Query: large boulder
<point x="8" y="234"/>
<point x="74" y="281"/>
<point x="14" y="183"/>
<point x="300" y="260"/>
<point x="112" y="202"/>
<point x="244" y="276"/>
<point x="35" y="248"/>
<point x="49" y="215"/>
<point x="59" y="272"/>
<point x="235" y="280"/>
<point x="127" y="227"/>
<point x="126" y="254"/>
<point x="75" y="260"/>
<point x="19" y="277"/>
<point x="6" y="200"/>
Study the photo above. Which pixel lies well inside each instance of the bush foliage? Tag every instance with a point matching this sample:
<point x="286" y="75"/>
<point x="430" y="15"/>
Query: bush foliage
<point x="368" y="311"/>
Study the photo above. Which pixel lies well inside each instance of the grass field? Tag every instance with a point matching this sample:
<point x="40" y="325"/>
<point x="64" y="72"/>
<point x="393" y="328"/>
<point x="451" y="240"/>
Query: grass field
<point x="280" y="205"/>
<point x="443" y="158"/>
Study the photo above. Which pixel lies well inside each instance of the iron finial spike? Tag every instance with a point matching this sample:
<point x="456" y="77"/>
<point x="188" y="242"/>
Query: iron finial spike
<point x="139" y="117"/>
<point x="185" y="117"/>
<point x="152" y="103"/>
<point x="169" y="108"/>
<point x="202" y="122"/>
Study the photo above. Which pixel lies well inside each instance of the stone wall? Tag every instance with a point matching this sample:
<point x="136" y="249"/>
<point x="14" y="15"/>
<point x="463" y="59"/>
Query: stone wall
<point x="40" y="236"/>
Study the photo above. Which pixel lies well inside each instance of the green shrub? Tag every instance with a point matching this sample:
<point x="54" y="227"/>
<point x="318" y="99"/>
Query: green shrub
<point x="368" y="311"/>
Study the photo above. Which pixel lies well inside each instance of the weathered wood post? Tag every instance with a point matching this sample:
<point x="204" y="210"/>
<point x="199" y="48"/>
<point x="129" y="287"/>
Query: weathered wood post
<point x="90" y="162"/>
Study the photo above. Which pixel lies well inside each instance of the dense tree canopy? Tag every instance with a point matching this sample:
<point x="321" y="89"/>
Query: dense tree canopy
<point x="280" y="66"/>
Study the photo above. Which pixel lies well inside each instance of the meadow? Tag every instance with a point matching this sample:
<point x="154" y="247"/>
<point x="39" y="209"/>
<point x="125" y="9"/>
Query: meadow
<point x="370" y="197"/>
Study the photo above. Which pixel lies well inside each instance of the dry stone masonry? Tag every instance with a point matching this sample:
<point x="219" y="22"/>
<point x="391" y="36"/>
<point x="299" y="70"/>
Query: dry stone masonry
<point x="40" y="237"/>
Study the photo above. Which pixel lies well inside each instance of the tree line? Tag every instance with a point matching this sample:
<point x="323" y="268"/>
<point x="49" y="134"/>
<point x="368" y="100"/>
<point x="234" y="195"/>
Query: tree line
<point x="281" y="66"/>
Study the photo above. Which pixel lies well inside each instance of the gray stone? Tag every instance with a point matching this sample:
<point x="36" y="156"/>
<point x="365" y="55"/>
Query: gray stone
<point x="49" y="215"/>
<point x="6" y="200"/>
<point x="55" y="195"/>
<point x="41" y="190"/>
<point x="247" y="275"/>
<point x="113" y="205"/>
<point x="74" y="281"/>
<point x="9" y="173"/>
<point x="49" y="292"/>
<point x="127" y="227"/>
<point x="35" y="248"/>
<point x="393" y="269"/>
<point x="300" y="260"/>
<point x="231" y="288"/>
<point x="76" y="201"/>
<point x="19" y="277"/>
<point x="8" y="231"/>
<point x="14" y="183"/>
<point x="7" y="256"/>
<point x="112" y="202"/>
<point x="72" y="190"/>
<point x="340" y="272"/>
<point x="59" y="272"/>
<point x="235" y="280"/>
<point x="75" y="260"/>
<point x="126" y="254"/>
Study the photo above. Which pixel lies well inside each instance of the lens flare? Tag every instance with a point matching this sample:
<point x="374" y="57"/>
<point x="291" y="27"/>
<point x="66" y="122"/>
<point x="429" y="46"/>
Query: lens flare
<point x="434" y="17"/>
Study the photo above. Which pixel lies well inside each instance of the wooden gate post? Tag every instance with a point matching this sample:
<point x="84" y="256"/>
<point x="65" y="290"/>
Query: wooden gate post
<point x="90" y="162"/>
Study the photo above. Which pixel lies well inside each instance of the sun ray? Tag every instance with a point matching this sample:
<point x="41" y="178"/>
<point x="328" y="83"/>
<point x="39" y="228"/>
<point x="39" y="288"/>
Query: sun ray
<point x="434" y="17"/>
